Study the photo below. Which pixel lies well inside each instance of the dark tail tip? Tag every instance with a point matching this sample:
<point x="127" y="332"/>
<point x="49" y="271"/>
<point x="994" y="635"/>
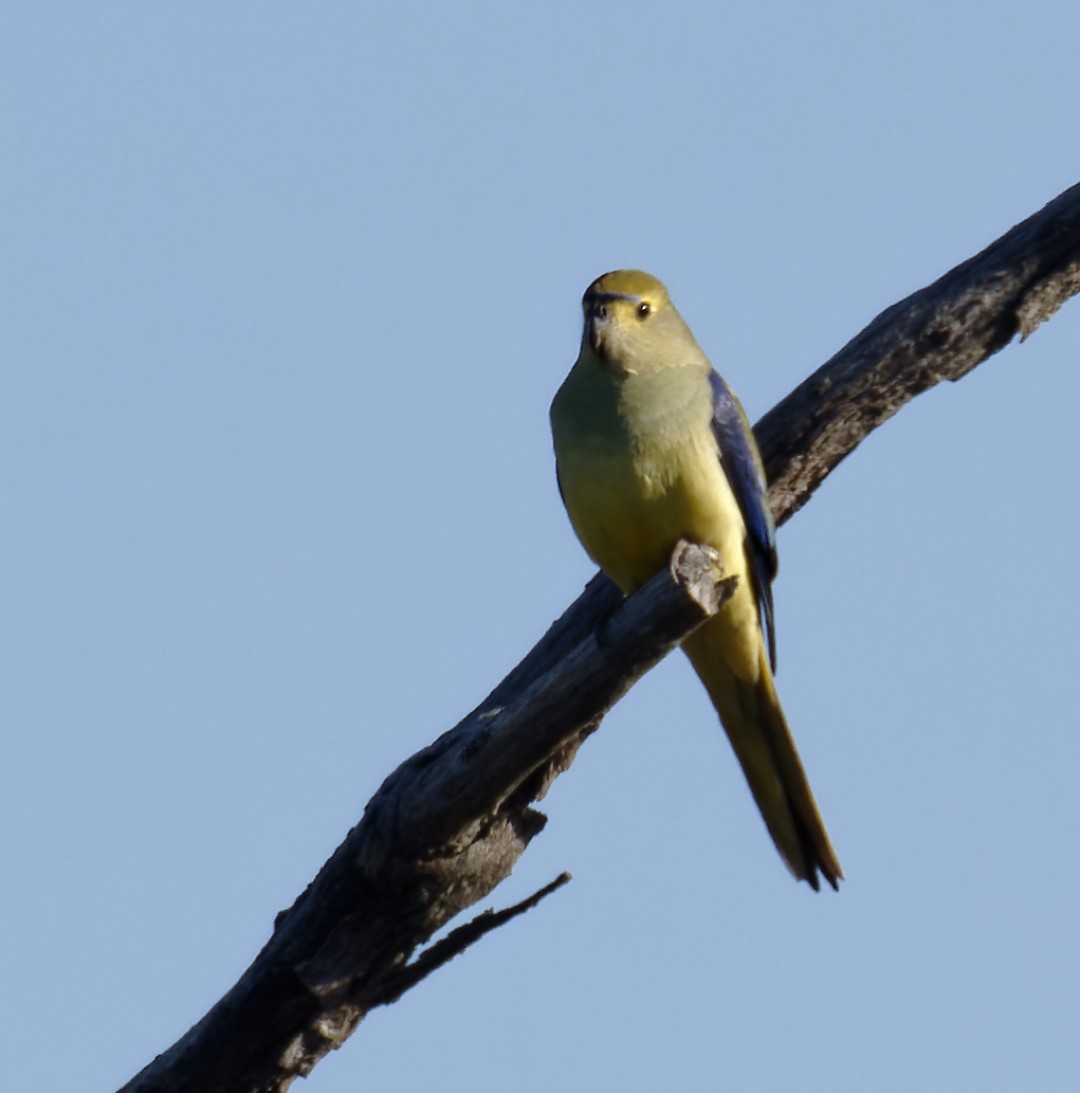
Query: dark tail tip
<point x="819" y="861"/>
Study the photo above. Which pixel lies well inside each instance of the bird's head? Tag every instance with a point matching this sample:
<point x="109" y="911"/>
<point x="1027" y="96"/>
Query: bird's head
<point x="629" y="317"/>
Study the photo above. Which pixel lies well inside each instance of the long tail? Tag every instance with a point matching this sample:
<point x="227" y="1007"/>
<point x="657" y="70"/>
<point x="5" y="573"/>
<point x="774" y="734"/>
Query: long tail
<point x="755" y="725"/>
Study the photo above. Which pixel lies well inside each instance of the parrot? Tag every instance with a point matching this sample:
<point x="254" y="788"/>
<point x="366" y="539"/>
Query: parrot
<point x="651" y="446"/>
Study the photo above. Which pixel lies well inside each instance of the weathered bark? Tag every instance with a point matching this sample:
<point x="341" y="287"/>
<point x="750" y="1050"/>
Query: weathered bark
<point x="441" y="832"/>
<point x="450" y="822"/>
<point x="939" y="333"/>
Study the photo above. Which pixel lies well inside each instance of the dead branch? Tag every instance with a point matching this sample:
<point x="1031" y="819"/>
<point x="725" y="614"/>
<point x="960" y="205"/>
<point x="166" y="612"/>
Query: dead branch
<point x="450" y="823"/>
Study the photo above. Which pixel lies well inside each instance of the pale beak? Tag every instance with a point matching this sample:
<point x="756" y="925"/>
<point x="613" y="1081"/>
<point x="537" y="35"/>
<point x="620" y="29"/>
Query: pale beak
<point x="597" y="321"/>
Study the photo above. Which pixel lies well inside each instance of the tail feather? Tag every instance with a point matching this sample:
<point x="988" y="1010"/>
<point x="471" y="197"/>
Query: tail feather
<point x="754" y="721"/>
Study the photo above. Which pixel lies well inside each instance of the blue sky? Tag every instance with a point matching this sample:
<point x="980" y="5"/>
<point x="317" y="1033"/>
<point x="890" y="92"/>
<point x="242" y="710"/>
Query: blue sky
<point x="286" y="292"/>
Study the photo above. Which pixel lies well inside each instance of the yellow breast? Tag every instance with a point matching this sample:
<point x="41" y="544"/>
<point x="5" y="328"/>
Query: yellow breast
<point x="639" y="470"/>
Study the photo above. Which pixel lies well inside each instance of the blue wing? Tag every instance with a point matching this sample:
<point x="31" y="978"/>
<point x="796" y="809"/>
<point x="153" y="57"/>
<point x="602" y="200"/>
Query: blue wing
<point x="742" y="464"/>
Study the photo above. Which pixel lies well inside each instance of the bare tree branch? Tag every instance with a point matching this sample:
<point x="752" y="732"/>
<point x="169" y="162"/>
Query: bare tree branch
<point x="442" y="831"/>
<point x="457" y="941"/>
<point x="449" y="824"/>
<point x="938" y="333"/>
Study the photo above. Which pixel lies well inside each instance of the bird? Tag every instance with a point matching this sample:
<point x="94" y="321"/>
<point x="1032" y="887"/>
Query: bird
<point x="651" y="446"/>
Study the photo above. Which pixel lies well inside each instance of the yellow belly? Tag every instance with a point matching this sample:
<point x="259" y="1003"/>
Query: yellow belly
<point x="630" y="510"/>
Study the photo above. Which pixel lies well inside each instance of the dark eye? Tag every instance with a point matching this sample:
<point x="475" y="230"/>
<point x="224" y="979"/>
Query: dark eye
<point x="644" y="311"/>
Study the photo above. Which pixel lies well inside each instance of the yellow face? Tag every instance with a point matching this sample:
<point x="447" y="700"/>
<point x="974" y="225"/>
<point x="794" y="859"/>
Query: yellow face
<point x="627" y="313"/>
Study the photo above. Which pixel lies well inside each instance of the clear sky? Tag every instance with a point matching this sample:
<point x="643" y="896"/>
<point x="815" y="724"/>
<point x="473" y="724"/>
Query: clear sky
<point x="287" y="289"/>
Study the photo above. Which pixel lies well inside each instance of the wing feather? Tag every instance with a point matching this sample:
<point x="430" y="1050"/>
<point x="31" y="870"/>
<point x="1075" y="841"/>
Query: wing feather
<point x="745" y="473"/>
